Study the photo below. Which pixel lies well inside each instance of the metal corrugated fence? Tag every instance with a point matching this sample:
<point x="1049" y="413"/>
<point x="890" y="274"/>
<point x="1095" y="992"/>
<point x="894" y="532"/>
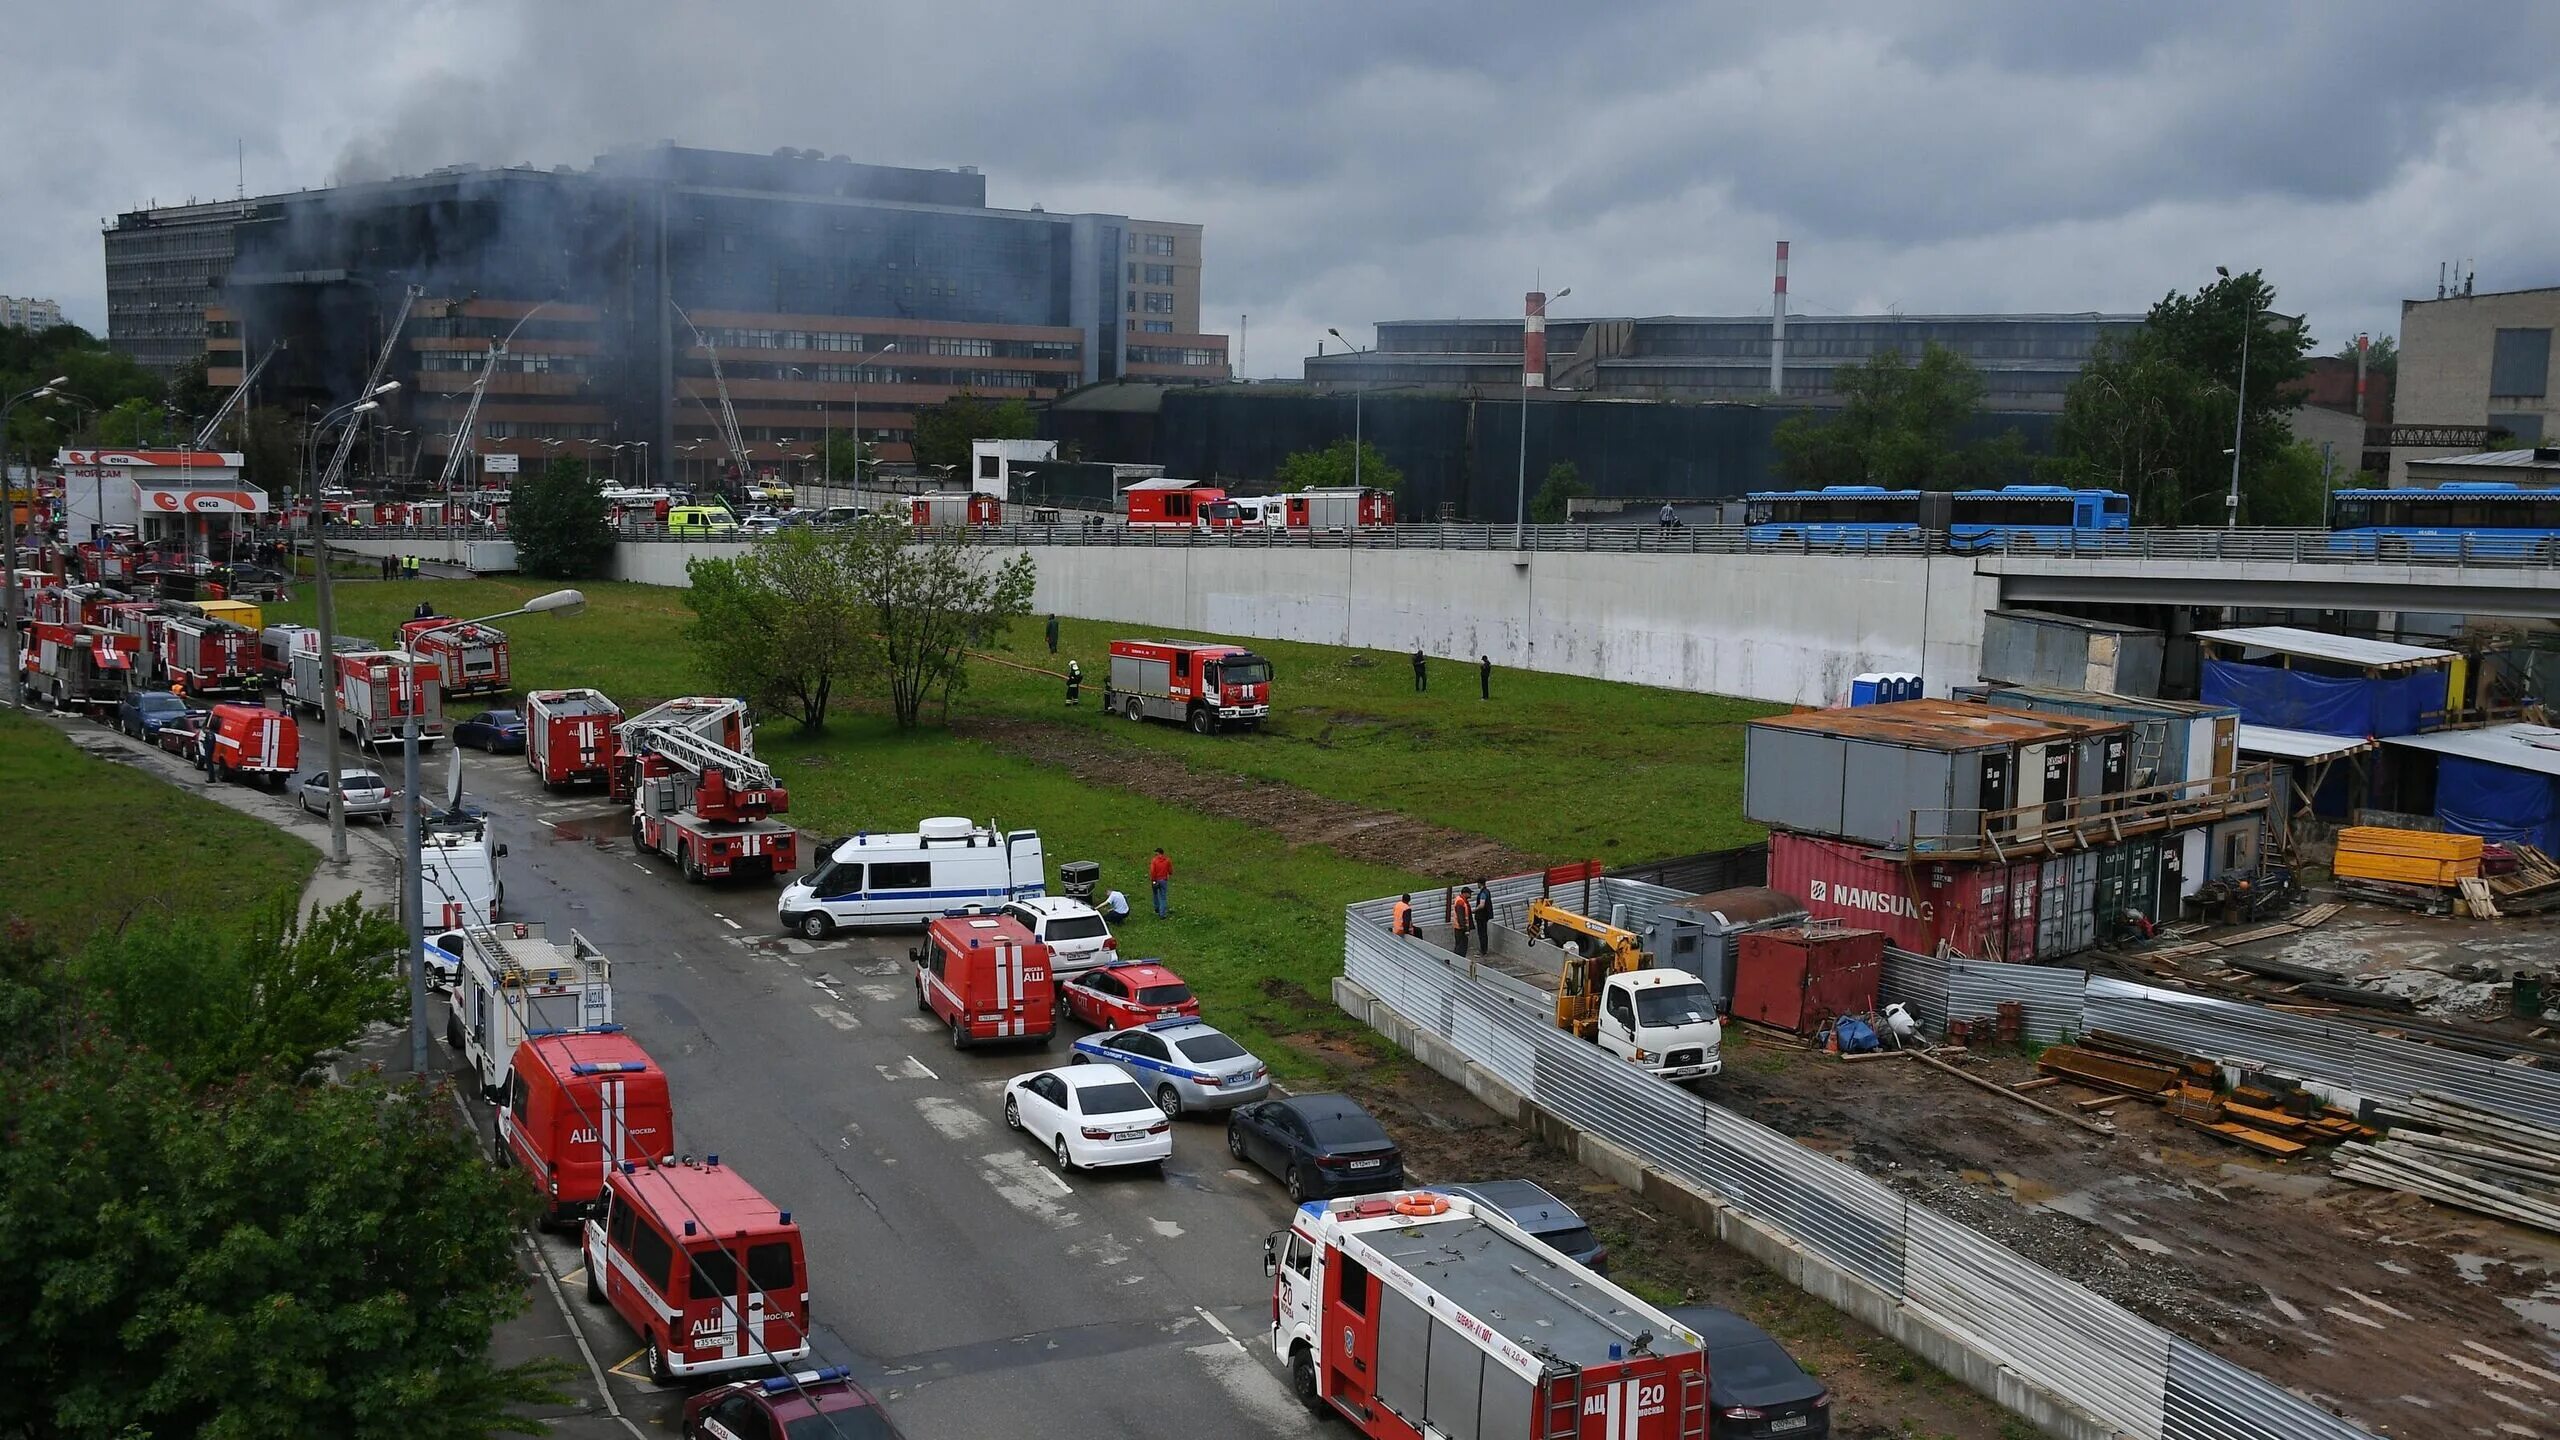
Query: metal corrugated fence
<point x="2062" y="1338"/>
<point x="2051" y="996"/>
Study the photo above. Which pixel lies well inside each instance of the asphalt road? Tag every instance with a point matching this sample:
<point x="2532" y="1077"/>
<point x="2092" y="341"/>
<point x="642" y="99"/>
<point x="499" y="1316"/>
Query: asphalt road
<point x="977" y="1290"/>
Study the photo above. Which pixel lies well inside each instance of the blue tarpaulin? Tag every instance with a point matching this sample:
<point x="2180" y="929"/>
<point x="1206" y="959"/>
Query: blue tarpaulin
<point x="2325" y="704"/>
<point x="2497" y="802"/>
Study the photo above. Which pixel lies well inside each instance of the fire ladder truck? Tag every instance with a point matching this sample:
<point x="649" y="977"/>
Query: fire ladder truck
<point x="730" y="434"/>
<point x="699" y="796"/>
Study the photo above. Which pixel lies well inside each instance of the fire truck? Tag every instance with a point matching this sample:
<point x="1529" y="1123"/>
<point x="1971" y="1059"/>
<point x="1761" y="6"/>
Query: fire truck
<point x="736" y="1295"/>
<point x="308" y="671"/>
<point x="568" y="735"/>
<point x="252" y="740"/>
<point x="1165" y="503"/>
<point x="952" y="512"/>
<point x="207" y="657"/>
<point x="699" y="795"/>
<point x="378" y="690"/>
<point x="78" y="667"/>
<point x="471" y="658"/>
<point x="1413" y="1313"/>
<point x="510" y="982"/>
<point x="1207" y="687"/>
<point x="1334" y="511"/>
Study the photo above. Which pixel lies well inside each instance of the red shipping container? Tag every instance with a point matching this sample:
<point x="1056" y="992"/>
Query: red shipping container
<point x="1983" y="911"/>
<point x="1796" y="979"/>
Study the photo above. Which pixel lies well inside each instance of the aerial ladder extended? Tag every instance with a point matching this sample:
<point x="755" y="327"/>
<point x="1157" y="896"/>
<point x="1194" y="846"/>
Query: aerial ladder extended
<point x="465" y="436"/>
<point x="698" y="794"/>
<point x="727" y="415"/>
<point x="231" y="402"/>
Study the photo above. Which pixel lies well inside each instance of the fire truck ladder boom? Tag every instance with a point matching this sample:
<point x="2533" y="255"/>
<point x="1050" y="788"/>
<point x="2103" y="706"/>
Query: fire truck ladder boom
<point x="204" y="437"/>
<point x="464" y="435"/>
<point x="676" y="732"/>
<point x="729" y="432"/>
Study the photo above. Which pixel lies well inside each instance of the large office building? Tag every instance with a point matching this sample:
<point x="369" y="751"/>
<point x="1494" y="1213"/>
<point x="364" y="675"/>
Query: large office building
<point x="2026" y="362"/>
<point x="2475" y="371"/>
<point x="836" y="297"/>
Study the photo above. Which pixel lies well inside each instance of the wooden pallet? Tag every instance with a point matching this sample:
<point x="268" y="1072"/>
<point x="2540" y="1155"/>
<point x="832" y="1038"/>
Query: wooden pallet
<point x="2476" y="898"/>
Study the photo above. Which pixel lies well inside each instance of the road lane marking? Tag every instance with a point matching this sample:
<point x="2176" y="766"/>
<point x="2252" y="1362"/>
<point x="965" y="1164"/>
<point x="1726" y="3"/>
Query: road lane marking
<point x="725" y="920"/>
<point x="636" y="865"/>
<point x="922" y="1026"/>
<point x="920" y="1065"/>
<point x="952" y="1119"/>
<point x="1246" y="1176"/>
<point x="1022" y="1182"/>
<point x="1108" y="1250"/>
<point x="838" y="1017"/>
<point x="616" y="1367"/>
<point x="911" y="1069"/>
<point x="879" y="994"/>
<point x="1220" y="1326"/>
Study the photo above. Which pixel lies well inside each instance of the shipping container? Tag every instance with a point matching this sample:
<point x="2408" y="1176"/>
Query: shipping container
<point x="1801" y="979"/>
<point x="1698" y="934"/>
<point x="2067" y="652"/>
<point x="1960" y="775"/>
<point x="2018" y="911"/>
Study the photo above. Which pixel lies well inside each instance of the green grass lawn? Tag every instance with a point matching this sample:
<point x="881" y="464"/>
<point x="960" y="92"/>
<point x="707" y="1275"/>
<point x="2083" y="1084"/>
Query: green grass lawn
<point x="1557" y="765"/>
<point x="89" y="843"/>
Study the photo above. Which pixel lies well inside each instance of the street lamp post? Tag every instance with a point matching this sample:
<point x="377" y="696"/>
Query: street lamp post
<point x="9" y="535"/>
<point x="1358" y="388"/>
<point x="1520" y="510"/>
<point x="413" y="876"/>
<point x="2239" y="407"/>
<point x="345" y="414"/>
<point x="857" y="418"/>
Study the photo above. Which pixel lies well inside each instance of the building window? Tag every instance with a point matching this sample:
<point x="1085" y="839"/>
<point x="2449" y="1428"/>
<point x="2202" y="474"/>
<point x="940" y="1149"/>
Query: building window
<point x="1160" y="245"/>
<point x="1133" y="271"/>
<point x="1157" y="327"/>
<point x="946" y="345"/>
<point x="2521" y="363"/>
<point x="1159" y="304"/>
<point x="1159" y="274"/>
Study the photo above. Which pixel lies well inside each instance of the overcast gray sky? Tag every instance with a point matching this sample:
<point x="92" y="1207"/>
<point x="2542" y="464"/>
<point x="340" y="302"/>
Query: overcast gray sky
<point x="1394" y="158"/>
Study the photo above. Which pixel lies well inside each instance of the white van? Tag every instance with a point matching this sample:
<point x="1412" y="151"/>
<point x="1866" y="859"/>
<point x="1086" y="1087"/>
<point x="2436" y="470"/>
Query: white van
<point x="458" y="875"/>
<point x="948" y="864"/>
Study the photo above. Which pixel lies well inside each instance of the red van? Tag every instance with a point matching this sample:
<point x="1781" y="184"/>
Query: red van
<point x="253" y="741"/>
<point x="579" y="1103"/>
<point x="708" y="1273"/>
<point x="987" y="978"/>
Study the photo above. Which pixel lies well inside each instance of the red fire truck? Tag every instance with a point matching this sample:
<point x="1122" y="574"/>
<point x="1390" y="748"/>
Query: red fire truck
<point x="580" y="1103"/>
<point x="1165" y="503"/>
<point x="254" y="741"/>
<point x="471" y="658"/>
<point x="952" y="512"/>
<point x="1333" y="511"/>
<point x="704" y="1268"/>
<point x="568" y="735"/>
<point x="378" y="690"/>
<point x="76" y="667"/>
<point x="987" y="978"/>
<point x="1207" y="687"/>
<point x="698" y="794"/>
<point x="207" y="657"/>
<point x="1370" y="1291"/>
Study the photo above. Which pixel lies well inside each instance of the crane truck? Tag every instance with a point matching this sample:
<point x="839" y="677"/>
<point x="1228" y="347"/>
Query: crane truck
<point x="698" y="794"/>
<point x="1611" y="994"/>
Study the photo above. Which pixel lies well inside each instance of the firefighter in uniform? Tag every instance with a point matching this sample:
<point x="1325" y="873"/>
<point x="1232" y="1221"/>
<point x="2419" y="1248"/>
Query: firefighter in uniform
<point x="1075" y="680"/>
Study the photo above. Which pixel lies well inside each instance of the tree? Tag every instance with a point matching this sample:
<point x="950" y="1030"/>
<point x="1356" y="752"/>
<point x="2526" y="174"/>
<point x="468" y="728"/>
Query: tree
<point x="1553" y="504"/>
<point x="1902" y="426"/>
<point x="944" y="431"/>
<point x="928" y="599"/>
<point x="2382" y="355"/>
<point x="274" y="457"/>
<point x="783" y="624"/>
<point x="137" y="423"/>
<point x="557" y="516"/>
<point x="848" y="458"/>
<point x="1331" y="468"/>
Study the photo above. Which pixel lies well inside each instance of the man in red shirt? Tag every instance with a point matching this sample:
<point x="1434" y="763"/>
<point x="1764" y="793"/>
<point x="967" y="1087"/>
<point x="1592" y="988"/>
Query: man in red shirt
<point x="1160" y="879"/>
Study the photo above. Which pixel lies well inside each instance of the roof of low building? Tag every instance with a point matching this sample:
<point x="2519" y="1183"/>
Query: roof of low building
<point x="2518" y="746"/>
<point x="2316" y="645"/>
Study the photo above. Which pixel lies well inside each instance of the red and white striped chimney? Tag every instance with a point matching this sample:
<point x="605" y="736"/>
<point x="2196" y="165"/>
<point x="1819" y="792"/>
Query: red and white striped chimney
<point x="1533" y="342"/>
<point x="1778" y="327"/>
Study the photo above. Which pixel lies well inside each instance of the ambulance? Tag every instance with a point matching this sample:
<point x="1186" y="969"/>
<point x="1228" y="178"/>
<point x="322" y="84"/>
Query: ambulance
<point x="986" y="978"/>
<point x="579" y="1104"/>
<point x="703" y="1268"/>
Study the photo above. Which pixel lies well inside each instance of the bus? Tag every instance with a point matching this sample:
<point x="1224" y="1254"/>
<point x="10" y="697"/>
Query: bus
<point x="1851" y="517"/>
<point x="2454" y="521"/>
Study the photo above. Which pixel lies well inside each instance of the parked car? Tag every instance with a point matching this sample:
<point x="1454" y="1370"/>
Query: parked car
<point x="183" y="735"/>
<point x="500" y="732"/>
<point x="1076" y="934"/>
<point x="760" y="525"/>
<point x="142" y="713"/>
<point x="1755" y="1389"/>
<point x="1186" y="1065"/>
<point x="811" y="1405"/>
<point x="1318" y="1145"/>
<point x="366" y="793"/>
<point x="1088" y="1117"/>
<point x="1527" y="1204"/>
<point x="1124" y="993"/>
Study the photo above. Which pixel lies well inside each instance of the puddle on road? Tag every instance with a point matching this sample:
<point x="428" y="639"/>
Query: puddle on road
<point x="601" y="831"/>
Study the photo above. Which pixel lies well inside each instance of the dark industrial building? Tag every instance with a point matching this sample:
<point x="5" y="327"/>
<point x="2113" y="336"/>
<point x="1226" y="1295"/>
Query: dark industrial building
<point x="837" y="297"/>
<point x="2026" y="361"/>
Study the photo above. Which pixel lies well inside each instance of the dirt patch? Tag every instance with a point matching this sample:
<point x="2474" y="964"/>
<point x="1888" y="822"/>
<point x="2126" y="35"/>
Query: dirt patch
<point x="1301" y="817"/>
<point x="2382" y="1306"/>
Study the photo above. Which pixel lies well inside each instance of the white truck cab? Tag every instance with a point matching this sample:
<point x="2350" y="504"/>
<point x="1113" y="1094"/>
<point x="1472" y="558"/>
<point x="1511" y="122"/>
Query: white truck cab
<point x="1663" y="1020"/>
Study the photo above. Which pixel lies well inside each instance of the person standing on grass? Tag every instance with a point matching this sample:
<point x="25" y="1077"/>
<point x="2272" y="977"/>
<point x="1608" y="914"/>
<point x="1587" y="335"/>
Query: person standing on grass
<point x="1053" y="634"/>
<point x="1462" y="919"/>
<point x="1484" y="917"/>
<point x="1421" y="672"/>
<point x="1484" y="676"/>
<point x="1160" y="880"/>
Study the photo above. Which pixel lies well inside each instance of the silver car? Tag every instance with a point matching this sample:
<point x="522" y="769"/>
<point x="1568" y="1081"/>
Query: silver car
<point x="1184" y="1064"/>
<point x="366" y="793"/>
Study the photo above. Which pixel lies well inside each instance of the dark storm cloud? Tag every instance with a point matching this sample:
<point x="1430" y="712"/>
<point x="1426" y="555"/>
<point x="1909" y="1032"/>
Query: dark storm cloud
<point x="1362" y="161"/>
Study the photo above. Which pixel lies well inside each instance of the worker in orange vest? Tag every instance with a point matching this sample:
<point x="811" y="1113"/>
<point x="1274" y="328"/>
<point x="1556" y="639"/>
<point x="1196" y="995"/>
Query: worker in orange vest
<point x="1404" y="915"/>
<point x="1462" y="918"/>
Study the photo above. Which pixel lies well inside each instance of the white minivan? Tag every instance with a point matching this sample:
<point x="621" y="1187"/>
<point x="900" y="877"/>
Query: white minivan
<point x="946" y="864"/>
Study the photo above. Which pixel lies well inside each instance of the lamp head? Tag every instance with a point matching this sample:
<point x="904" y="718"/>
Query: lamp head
<point x="558" y="602"/>
<point x="385" y="388"/>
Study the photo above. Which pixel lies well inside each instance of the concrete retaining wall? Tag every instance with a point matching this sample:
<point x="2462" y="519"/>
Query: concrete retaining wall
<point x="1914" y="1330"/>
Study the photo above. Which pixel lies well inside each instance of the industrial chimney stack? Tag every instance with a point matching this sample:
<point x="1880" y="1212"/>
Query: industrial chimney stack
<point x="1778" y="327"/>
<point x="2362" y="343"/>
<point x="1533" y="342"/>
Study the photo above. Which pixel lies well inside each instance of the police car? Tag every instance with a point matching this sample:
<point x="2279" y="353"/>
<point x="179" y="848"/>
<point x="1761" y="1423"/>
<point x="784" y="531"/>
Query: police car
<point x="1183" y="1063"/>
<point x="813" y="1403"/>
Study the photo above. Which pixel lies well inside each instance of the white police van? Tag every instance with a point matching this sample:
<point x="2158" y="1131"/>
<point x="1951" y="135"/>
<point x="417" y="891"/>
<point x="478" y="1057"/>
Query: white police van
<point x="946" y="864"/>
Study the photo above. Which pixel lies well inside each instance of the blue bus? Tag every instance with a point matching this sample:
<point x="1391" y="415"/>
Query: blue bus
<point x="1853" y="517"/>
<point x="2484" y="519"/>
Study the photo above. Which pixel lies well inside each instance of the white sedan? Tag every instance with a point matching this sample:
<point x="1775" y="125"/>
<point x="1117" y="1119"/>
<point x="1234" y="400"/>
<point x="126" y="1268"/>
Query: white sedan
<point x="1089" y="1116"/>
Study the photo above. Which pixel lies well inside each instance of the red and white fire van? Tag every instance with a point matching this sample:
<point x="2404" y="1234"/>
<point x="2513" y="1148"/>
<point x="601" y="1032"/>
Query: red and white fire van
<point x="1207" y="687"/>
<point x="378" y="690"/>
<point x="1165" y="503"/>
<point x="470" y="658"/>
<point x="568" y="735"/>
<point x="1337" y="509"/>
<point x="207" y="657"/>
<point x="703" y="1268"/>
<point x="254" y="742"/>
<point x="986" y="978"/>
<point x="953" y="512"/>
<point x="578" y="1104"/>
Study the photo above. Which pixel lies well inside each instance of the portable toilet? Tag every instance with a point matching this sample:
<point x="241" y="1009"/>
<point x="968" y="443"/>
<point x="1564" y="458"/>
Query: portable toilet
<point x="1870" y="689"/>
<point x="1906" y="687"/>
